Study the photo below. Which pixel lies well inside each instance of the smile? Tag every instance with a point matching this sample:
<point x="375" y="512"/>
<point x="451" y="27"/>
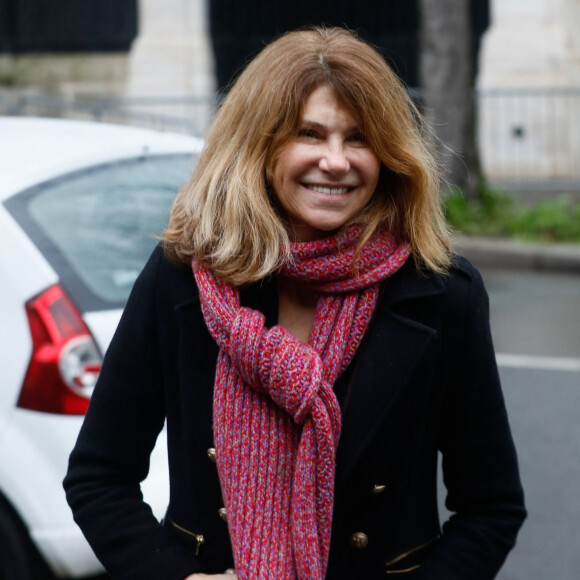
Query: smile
<point x="329" y="190"/>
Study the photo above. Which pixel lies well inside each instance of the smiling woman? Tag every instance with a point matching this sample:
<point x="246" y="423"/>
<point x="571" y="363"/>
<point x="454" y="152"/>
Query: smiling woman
<point x="308" y="370"/>
<point x="328" y="173"/>
<point x="230" y="208"/>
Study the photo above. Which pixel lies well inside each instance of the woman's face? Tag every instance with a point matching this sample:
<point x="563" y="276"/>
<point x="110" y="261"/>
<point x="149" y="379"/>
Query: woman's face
<point x="327" y="173"/>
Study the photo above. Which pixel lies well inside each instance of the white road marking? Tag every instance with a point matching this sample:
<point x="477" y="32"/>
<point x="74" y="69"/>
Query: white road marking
<point x="526" y="361"/>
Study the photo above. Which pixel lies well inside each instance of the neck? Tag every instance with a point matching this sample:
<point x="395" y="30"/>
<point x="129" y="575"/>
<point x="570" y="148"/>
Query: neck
<point x="296" y="307"/>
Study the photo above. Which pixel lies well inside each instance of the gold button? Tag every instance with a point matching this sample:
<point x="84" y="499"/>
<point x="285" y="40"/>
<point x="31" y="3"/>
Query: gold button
<point x="359" y="540"/>
<point x="378" y="489"/>
<point x="199" y="542"/>
<point x="230" y="571"/>
<point x="223" y="514"/>
<point x="211" y="454"/>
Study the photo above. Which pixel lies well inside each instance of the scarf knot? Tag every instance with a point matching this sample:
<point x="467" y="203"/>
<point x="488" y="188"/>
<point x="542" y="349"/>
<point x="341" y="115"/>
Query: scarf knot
<point x="275" y="363"/>
<point x="276" y="417"/>
<point x="292" y="372"/>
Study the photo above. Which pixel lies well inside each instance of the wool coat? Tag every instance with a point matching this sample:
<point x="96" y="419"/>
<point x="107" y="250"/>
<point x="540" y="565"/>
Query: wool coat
<point x="424" y="381"/>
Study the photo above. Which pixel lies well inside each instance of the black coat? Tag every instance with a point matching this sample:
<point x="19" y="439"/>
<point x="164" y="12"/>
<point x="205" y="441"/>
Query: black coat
<point x="424" y="380"/>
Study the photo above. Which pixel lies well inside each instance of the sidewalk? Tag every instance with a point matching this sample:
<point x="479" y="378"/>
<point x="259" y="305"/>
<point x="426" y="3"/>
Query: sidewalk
<point x="500" y="253"/>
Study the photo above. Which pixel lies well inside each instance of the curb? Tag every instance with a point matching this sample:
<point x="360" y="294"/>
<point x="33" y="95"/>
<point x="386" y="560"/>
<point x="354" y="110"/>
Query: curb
<point x="501" y="253"/>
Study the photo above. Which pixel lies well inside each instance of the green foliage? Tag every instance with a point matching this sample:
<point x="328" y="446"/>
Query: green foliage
<point x="498" y="214"/>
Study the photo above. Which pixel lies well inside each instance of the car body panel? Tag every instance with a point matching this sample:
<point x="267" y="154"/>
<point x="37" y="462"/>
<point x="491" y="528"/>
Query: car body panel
<point x="102" y="326"/>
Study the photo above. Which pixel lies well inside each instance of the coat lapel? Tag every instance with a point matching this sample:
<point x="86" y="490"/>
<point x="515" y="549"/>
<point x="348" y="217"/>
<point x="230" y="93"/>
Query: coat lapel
<point x="195" y="337"/>
<point x="391" y="351"/>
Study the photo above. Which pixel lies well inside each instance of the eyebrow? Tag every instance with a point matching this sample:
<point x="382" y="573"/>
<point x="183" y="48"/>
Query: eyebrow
<point x="320" y="126"/>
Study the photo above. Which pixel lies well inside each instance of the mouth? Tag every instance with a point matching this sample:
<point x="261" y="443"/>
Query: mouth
<point x="327" y="189"/>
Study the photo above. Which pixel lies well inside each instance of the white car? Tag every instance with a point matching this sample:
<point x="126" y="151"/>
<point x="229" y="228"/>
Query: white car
<point x="80" y="206"/>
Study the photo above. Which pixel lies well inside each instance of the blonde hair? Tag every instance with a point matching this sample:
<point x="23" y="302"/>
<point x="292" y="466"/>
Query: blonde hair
<point x="226" y="216"/>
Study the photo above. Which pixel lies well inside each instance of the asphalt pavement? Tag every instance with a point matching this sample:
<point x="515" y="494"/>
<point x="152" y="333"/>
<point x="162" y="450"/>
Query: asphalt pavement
<point x="543" y="407"/>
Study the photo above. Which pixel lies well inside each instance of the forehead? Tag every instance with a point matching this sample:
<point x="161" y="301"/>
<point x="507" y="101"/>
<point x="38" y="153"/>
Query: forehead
<point x="322" y="106"/>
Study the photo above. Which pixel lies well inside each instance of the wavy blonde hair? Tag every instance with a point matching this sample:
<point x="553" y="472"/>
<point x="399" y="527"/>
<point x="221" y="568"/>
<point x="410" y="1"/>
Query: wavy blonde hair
<point x="226" y="217"/>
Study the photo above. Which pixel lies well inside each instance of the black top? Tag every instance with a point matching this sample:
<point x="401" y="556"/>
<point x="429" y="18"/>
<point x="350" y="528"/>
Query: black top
<point x="424" y="381"/>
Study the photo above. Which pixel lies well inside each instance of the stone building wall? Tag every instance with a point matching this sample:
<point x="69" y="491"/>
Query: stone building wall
<point x="172" y="54"/>
<point x="529" y="87"/>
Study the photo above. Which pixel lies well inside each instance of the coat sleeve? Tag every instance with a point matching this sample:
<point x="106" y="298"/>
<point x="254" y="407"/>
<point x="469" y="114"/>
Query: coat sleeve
<point x="480" y="469"/>
<point x="111" y="456"/>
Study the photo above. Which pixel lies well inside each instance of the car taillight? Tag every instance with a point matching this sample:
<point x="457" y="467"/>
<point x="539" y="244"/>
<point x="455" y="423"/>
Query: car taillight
<point x="65" y="362"/>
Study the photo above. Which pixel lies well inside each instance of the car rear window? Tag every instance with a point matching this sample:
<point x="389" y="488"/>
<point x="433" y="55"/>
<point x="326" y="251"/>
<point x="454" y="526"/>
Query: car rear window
<point x="97" y="227"/>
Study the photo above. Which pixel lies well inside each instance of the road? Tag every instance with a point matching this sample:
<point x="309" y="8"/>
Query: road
<point x="536" y="317"/>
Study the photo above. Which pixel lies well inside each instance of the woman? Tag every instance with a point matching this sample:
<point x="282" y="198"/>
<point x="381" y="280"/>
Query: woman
<point x="312" y="343"/>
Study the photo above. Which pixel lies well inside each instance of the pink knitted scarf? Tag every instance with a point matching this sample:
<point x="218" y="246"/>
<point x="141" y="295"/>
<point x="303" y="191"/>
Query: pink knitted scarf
<point x="276" y="417"/>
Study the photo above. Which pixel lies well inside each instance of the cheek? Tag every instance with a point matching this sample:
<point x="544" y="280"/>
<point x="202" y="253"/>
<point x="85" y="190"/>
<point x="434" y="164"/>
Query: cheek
<point x="277" y="183"/>
<point x="284" y="171"/>
<point x="281" y="189"/>
<point x="372" y="169"/>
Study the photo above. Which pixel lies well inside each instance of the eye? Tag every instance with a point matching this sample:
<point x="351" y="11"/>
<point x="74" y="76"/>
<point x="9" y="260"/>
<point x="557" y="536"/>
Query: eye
<point x="358" y="137"/>
<point x="308" y="133"/>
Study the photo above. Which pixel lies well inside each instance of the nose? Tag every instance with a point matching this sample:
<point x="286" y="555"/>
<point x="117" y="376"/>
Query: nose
<point x="335" y="159"/>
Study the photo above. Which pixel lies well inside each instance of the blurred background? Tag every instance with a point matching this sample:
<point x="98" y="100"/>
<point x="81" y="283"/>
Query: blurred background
<point x="126" y="59"/>
<point x="500" y="82"/>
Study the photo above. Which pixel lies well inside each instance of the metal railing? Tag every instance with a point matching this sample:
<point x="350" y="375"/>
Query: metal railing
<point x="528" y="138"/>
<point x="180" y="114"/>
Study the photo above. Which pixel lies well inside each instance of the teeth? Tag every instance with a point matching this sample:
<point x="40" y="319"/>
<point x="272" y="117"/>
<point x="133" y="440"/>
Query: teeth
<point x="329" y="190"/>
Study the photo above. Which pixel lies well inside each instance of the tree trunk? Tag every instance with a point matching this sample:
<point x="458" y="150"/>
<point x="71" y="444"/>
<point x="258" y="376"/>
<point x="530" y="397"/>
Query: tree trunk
<point x="447" y="78"/>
